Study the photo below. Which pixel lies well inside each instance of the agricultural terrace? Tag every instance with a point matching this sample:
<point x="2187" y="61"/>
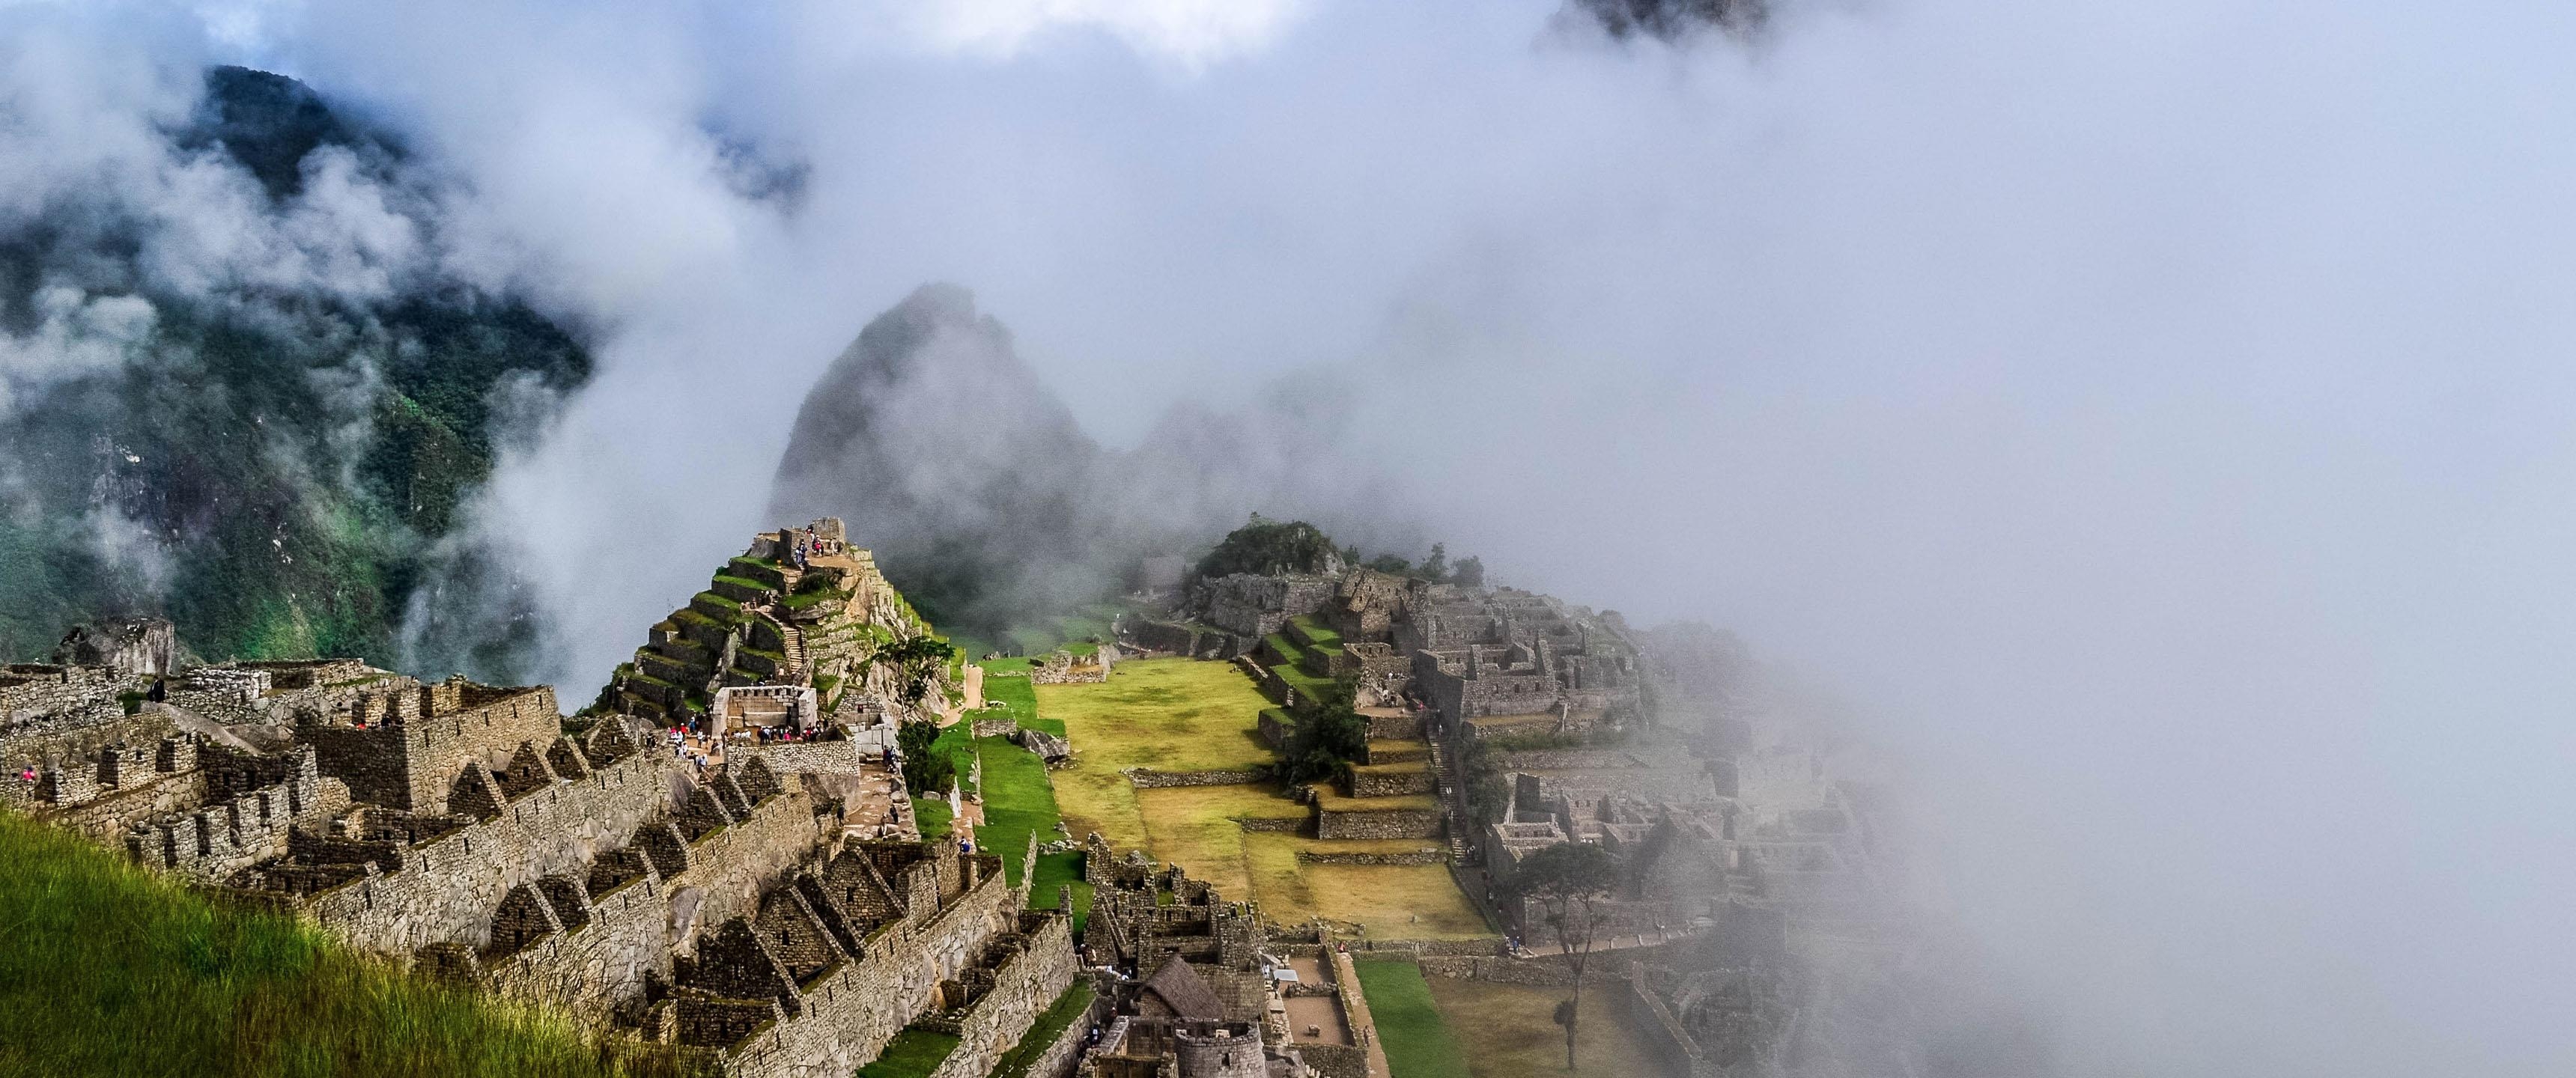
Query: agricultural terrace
<point x="1514" y="1028"/>
<point x="1165" y="714"/>
<point x="1188" y="715"/>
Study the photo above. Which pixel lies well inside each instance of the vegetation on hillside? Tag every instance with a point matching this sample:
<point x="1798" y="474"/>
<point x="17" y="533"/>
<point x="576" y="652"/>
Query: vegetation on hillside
<point x="1329" y="736"/>
<point x="268" y="464"/>
<point x="108" y="970"/>
<point x="1272" y="546"/>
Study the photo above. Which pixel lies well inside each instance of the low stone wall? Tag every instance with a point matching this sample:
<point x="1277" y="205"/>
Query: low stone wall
<point x="1276" y="824"/>
<point x="995" y="727"/>
<point x="1148" y="779"/>
<point x="1609" y="965"/>
<point x="1429" y="855"/>
<point x="1355" y="1009"/>
<point x="1539" y="972"/>
<point x="1335" y="1060"/>
<point x="1274" y="732"/>
<point x="1411" y="752"/>
<point x="1485" y="947"/>
<point x="804" y="757"/>
<point x="1564" y="760"/>
<point x="1371" y="782"/>
<point x="1400" y="823"/>
<point x="1395" y="727"/>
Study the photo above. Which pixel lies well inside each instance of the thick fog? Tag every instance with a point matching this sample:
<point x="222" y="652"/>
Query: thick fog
<point x="2154" y="420"/>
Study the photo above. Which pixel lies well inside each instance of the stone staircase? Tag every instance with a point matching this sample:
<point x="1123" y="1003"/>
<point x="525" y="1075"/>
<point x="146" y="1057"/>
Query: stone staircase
<point x="794" y="638"/>
<point x="1445" y="783"/>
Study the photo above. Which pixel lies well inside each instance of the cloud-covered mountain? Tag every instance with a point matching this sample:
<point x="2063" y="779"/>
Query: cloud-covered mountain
<point x="988" y="504"/>
<point x="240" y="384"/>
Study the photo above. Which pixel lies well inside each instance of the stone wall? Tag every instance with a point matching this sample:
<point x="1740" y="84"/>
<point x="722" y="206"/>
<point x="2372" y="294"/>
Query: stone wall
<point x="444" y="889"/>
<point x="1335" y="1060"/>
<point x="30" y="689"/>
<point x="1149" y="779"/>
<point x="846" y="1016"/>
<point x="1194" y="641"/>
<point x="591" y="966"/>
<point x="65" y="739"/>
<point x="1389" y="781"/>
<point x="1061" y="1055"/>
<point x="1687" y="783"/>
<point x="248" y="811"/>
<point x="1662" y="1033"/>
<point x="1022" y="989"/>
<point x="805" y="757"/>
<point x="1405" y="727"/>
<point x="411" y="762"/>
<point x="1256" y="606"/>
<point x="1425" y="856"/>
<point x="1398" y="823"/>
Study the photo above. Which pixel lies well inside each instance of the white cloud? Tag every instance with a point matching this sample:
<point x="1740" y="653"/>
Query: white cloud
<point x="1190" y="33"/>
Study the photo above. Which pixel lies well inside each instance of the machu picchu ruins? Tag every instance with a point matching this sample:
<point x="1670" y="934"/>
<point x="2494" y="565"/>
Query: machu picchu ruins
<point x="720" y="855"/>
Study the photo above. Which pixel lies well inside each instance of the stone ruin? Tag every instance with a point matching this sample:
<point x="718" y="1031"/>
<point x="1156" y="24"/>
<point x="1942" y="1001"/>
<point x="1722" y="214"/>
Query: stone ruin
<point x="798" y="616"/>
<point x="1066" y="668"/>
<point x="1199" y="995"/>
<point x="738" y="912"/>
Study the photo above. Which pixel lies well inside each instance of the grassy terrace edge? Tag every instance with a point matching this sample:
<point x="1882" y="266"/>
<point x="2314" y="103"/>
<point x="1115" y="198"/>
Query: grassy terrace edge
<point x="1417" y="1041"/>
<point x="107" y="969"/>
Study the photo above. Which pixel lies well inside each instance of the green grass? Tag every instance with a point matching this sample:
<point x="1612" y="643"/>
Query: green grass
<point x="1418" y="1044"/>
<point x="1018" y="802"/>
<point x="1309" y="687"/>
<point x="1288" y="650"/>
<point x="1056" y="871"/>
<point x="1042" y="1033"/>
<point x="911" y="1054"/>
<point x="1017" y="697"/>
<point x="109" y="970"/>
<point x="1315" y="633"/>
<point x="931" y="815"/>
<point x="1167" y="714"/>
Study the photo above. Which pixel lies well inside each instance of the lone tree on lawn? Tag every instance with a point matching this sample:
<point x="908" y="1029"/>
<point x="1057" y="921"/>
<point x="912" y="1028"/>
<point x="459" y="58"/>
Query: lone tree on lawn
<point x="1569" y="881"/>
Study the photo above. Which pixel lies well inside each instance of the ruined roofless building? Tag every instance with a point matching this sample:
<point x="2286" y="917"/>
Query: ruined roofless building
<point x="469" y="831"/>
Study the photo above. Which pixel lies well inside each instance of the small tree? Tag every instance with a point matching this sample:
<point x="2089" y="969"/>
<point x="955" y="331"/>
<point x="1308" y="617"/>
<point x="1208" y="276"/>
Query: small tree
<point x="1569" y="881"/>
<point x="917" y="661"/>
<point x="926" y="771"/>
<point x="1470" y="573"/>
<point x="1436" y="567"/>
<point x="1329" y="735"/>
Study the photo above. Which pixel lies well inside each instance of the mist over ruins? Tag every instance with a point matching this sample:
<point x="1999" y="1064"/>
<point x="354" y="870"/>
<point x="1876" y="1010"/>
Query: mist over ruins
<point x="1287" y="539"/>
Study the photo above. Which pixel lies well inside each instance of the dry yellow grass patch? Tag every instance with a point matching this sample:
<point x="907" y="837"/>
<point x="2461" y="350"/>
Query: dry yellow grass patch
<point x="1508" y="1032"/>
